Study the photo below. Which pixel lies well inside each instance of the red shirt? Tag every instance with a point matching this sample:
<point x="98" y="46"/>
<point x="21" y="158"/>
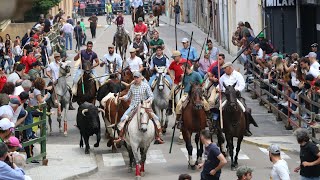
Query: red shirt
<point x="27" y="61"/>
<point x="119" y="20"/>
<point x="3" y="80"/>
<point x="141" y="29"/>
<point x="176" y="67"/>
<point x="212" y="66"/>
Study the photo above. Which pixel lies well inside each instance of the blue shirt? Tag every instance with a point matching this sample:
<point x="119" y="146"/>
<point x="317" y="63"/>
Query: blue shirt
<point x="318" y="55"/>
<point x="214" y="71"/>
<point x="7" y="173"/>
<point x="192" y="56"/>
<point x="193" y="77"/>
<point x="137" y="3"/>
<point x="211" y="161"/>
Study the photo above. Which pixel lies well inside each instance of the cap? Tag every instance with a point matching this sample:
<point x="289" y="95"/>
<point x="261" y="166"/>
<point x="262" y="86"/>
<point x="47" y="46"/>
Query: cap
<point x="140" y="19"/>
<point x="56" y="54"/>
<point x="175" y="54"/>
<point x="227" y="64"/>
<point x="111" y="46"/>
<point x="6" y="124"/>
<point x="261" y="35"/>
<point x="185" y="40"/>
<point x="137" y="74"/>
<point x="312" y="55"/>
<point x="37" y="63"/>
<point x="240" y="23"/>
<point x="314" y="45"/>
<point x="131" y="50"/>
<point x="14" y="142"/>
<point x="274" y="149"/>
<point x="15" y="100"/>
<point x="243" y="170"/>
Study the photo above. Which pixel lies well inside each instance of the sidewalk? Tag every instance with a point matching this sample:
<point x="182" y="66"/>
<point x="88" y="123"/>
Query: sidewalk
<point x="64" y="162"/>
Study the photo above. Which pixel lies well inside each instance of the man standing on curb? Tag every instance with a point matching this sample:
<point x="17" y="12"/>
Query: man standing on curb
<point x="280" y="170"/>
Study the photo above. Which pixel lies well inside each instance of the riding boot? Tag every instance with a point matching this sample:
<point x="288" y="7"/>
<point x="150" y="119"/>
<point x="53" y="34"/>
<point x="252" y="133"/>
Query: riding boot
<point x="70" y="106"/>
<point x="169" y="109"/>
<point x="178" y="121"/>
<point x="114" y="40"/>
<point x="158" y="139"/>
<point x="248" y="133"/>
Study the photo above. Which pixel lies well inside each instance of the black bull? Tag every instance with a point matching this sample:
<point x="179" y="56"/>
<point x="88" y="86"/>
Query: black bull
<point x="88" y="122"/>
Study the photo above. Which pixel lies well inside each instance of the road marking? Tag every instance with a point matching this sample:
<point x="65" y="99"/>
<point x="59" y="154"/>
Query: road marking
<point x="241" y="155"/>
<point x="113" y="159"/>
<point x="283" y="155"/>
<point x="155" y="156"/>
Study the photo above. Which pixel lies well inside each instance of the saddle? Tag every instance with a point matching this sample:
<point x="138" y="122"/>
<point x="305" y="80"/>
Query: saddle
<point x="133" y="112"/>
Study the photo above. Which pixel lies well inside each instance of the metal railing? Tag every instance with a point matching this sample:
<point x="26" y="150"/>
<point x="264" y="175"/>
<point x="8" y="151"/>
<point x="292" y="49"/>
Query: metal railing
<point x="271" y="94"/>
<point x="42" y="139"/>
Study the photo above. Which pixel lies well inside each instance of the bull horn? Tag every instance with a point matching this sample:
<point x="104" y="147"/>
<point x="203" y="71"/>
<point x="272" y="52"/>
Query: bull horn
<point x="101" y="110"/>
<point x="84" y="111"/>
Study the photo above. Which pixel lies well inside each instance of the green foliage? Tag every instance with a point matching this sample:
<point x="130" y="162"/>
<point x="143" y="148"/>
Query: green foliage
<point x="40" y="7"/>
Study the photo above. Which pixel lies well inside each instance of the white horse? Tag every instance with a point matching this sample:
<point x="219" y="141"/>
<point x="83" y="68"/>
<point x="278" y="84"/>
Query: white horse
<point x="138" y="137"/>
<point x="209" y="91"/>
<point x="161" y="94"/>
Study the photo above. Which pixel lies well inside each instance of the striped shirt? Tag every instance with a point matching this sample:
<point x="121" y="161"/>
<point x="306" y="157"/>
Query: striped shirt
<point x="138" y="93"/>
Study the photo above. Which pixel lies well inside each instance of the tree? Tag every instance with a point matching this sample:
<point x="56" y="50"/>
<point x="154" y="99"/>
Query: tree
<point x="40" y="7"/>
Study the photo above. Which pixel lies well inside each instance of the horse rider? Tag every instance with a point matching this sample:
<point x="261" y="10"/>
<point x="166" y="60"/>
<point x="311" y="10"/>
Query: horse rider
<point x="139" y="91"/>
<point x="175" y="72"/>
<point x="141" y="28"/>
<point x="159" y="60"/>
<point x="85" y="55"/>
<point x="135" y="4"/>
<point x="140" y="46"/>
<point x="230" y="77"/>
<point x="52" y="73"/>
<point x="190" y="77"/>
<point x="155" y="42"/>
<point x="119" y="21"/>
<point x="111" y="57"/>
<point x="193" y="55"/>
<point x="151" y="20"/>
<point x="134" y="62"/>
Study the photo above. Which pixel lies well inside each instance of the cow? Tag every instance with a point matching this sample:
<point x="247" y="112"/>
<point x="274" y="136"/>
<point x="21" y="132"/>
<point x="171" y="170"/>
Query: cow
<point x="88" y="123"/>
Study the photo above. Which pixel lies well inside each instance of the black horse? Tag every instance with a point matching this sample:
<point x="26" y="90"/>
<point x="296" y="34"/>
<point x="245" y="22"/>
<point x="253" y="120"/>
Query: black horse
<point x="135" y="15"/>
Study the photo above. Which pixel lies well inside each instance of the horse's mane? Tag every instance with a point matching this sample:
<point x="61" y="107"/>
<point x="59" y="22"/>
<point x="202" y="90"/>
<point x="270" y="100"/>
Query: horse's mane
<point x="193" y="85"/>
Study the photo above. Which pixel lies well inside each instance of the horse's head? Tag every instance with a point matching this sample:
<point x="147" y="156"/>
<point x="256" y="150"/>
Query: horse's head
<point x="112" y="66"/>
<point x="195" y="95"/>
<point x="120" y="30"/>
<point x="86" y="66"/>
<point x="64" y="68"/>
<point x="127" y="75"/>
<point x="161" y="72"/>
<point x="144" y="116"/>
<point x="231" y="95"/>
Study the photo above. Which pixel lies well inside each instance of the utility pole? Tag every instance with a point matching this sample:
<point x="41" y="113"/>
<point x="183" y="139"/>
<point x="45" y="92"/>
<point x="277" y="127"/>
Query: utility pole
<point x="298" y="29"/>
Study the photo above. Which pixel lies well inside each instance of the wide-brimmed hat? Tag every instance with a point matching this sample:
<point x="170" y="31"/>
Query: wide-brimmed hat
<point x="131" y="50"/>
<point x="175" y="54"/>
<point x="227" y="64"/>
<point x="56" y="54"/>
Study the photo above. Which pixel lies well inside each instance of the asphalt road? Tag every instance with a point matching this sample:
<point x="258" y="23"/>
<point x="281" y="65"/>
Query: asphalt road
<point x="161" y="164"/>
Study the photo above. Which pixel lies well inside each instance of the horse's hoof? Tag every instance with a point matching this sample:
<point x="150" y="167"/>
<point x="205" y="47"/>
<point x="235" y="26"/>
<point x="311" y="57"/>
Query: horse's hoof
<point x="130" y="170"/>
<point x="114" y="150"/>
<point x="180" y="141"/>
<point x="142" y="173"/>
<point x="65" y="134"/>
<point x="164" y="132"/>
<point x="233" y="168"/>
<point x="87" y="151"/>
<point x="138" y="177"/>
<point x="96" y="145"/>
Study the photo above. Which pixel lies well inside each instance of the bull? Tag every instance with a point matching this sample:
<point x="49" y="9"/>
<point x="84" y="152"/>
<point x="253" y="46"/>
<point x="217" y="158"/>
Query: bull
<point x="88" y="122"/>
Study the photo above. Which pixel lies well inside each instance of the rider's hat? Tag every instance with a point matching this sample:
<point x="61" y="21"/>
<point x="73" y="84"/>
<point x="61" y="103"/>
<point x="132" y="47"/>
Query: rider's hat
<point x="137" y="74"/>
<point x="131" y="50"/>
<point x="227" y="64"/>
<point x="184" y="40"/>
<point x="56" y="54"/>
<point x="175" y="54"/>
<point x="314" y="45"/>
<point x="140" y="19"/>
<point x="111" y="46"/>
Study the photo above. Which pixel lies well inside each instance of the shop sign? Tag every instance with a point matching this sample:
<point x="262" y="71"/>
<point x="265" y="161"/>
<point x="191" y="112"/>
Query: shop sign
<point x="279" y="3"/>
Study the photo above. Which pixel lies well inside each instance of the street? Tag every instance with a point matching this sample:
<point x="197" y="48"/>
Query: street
<point x="160" y="164"/>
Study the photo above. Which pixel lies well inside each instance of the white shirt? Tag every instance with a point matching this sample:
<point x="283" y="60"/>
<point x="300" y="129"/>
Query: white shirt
<point x="18" y="90"/>
<point x="137" y="3"/>
<point x="13" y="77"/>
<point x="260" y="54"/>
<point x="234" y="77"/>
<point x="134" y="64"/>
<point x="7" y="111"/>
<point x="107" y="57"/>
<point x="315" y="65"/>
<point x="67" y="28"/>
<point x="314" y="72"/>
<point x="280" y="171"/>
<point x="54" y="69"/>
<point x="145" y="49"/>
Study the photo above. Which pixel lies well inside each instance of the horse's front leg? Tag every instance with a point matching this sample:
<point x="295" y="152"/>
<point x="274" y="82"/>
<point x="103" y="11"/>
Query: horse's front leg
<point x="49" y="120"/>
<point x="131" y="157"/>
<point x="65" y="122"/>
<point x="98" y="138"/>
<point x="143" y="152"/>
<point x="199" y="149"/>
<point x="187" y="138"/>
<point x="237" y="151"/>
<point x="230" y="149"/>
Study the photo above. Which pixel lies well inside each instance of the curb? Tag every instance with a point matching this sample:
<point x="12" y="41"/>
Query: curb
<point x="264" y="145"/>
<point x="85" y="174"/>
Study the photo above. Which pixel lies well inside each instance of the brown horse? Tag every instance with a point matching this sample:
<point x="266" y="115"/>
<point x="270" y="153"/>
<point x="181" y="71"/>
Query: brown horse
<point x="122" y="39"/>
<point x="234" y="122"/>
<point x="88" y="86"/>
<point x="194" y="120"/>
<point x="139" y="13"/>
<point x="157" y="11"/>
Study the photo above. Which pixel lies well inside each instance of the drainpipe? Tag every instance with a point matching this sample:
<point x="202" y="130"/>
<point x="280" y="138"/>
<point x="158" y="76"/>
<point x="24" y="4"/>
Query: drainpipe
<point x="283" y="33"/>
<point x="298" y="29"/>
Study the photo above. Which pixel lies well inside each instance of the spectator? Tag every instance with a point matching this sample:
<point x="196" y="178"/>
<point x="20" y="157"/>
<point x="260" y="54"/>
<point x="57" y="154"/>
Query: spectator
<point x="6" y="126"/>
<point x="280" y="170"/>
<point x="314" y="48"/>
<point x="203" y="64"/>
<point x="17" y="51"/>
<point x="51" y="20"/>
<point x="309" y="156"/>
<point x="68" y="30"/>
<point x="245" y="34"/>
<point x="13" y="144"/>
<point x="70" y="20"/>
<point x="29" y="46"/>
<point x="16" y="76"/>
<point x="184" y="177"/>
<point x="24" y="87"/>
<point x="35" y="72"/>
<point x="3" y="78"/>
<point x="313" y="60"/>
<point x="78" y="34"/>
<point x="12" y="111"/>
<point x="82" y="8"/>
<point x="8" y="88"/>
<point x="83" y="26"/>
<point x="47" y="24"/>
<point x="247" y="25"/>
<point x="307" y="69"/>
<point x="193" y="56"/>
<point x="8" y="169"/>
<point x="212" y="51"/>
<point x="28" y="60"/>
<point x="4" y="99"/>
<point x="93" y="24"/>
<point x="177" y="11"/>
<point x="215" y="159"/>
<point x="245" y="173"/>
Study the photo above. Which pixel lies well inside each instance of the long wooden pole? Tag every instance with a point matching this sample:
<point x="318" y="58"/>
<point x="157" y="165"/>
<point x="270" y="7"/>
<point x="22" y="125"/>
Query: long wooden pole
<point x="220" y="98"/>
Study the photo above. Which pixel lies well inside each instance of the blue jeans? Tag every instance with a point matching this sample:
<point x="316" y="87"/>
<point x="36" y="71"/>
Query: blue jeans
<point x="201" y="73"/>
<point x="27" y="121"/>
<point x="125" y="114"/>
<point x="78" y="74"/>
<point x="153" y="77"/>
<point x="309" y="178"/>
<point x="68" y="37"/>
<point x="10" y="63"/>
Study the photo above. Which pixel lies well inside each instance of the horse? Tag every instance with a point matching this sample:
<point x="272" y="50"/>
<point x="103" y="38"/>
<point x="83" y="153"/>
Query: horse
<point x="234" y="122"/>
<point x="86" y="84"/>
<point x="121" y="40"/>
<point x="157" y="11"/>
<point x="138" y="137"/>
<point x="194" y="120"/>
<point x="60" y="95"/>
<point x="112" y="66"/>
<point x="135" y="15"/>
<point x="161" y="94"/>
